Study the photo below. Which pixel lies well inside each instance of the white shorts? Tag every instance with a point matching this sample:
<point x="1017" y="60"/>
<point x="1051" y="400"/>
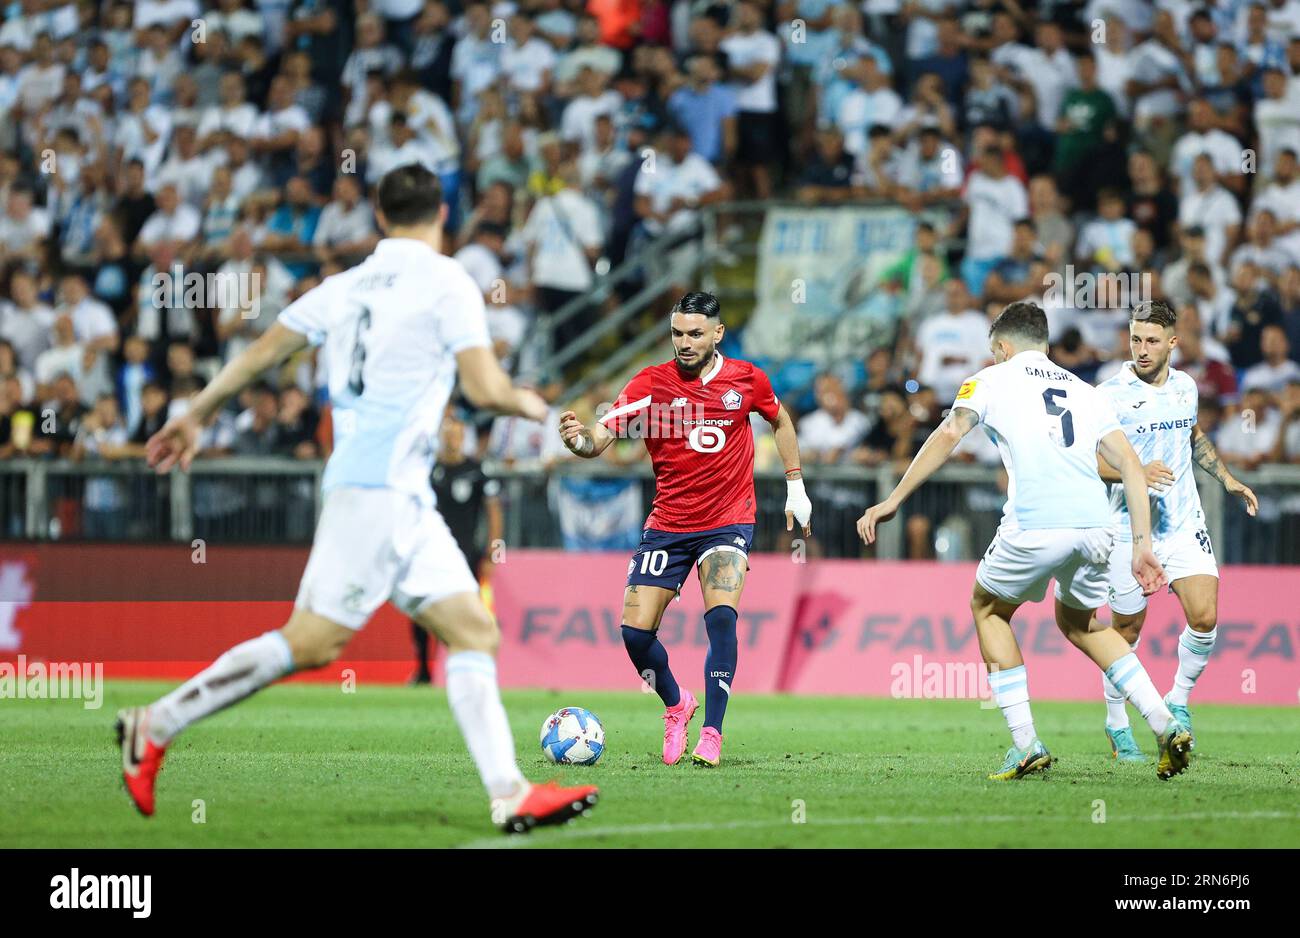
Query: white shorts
<point x="1020" y="561"/>
<point x="376" y="544"/>
<point x="1183" y="554"/>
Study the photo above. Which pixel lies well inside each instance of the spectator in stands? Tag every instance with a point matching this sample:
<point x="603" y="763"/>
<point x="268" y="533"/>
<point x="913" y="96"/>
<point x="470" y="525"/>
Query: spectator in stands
<point x="346" y="226"/>
<point x="1023" y="271"/>
<point x="953" y="344"/>
<point x="1151" y="204"/>
<point x="563" y="238"/>
<point x="1247" y="438"/>
<point x="1289" y="300"/>
<point x="23" y="227"/>
<point x="992" y="202"/>
<point x="25" y="322"/>
<point x="1204" y="359"/>
<point x="1106" y="242"/>
<point x="1212" y="301"/>
<point x="828" y="176"/>
<point x="293" y="226"/>
<point x="707" y="109"/>
<point x="1288" y="449"/>
<point x="153" y="414"/>
<point x="1262" y="250"/>
<point x="510" y="163"/>
<point x="1254" y="309"/>
<point x="1275" y="369"/>
<point x="832" y="433"/>
<point x="929" y="173"/>
<point x="1211" y="207"/>
<point x="753" y="55"/>
<point x="65" y="356"/>
<point x="482" y="256"/>
<point x="298" y="422"/>
<point x="59" y="419"/>
<point x="1204" y="138"/>
<point x="175" y="225"/>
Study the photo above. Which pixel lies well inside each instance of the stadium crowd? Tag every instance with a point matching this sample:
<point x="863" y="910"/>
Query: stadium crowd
<point x="143" y="143"/>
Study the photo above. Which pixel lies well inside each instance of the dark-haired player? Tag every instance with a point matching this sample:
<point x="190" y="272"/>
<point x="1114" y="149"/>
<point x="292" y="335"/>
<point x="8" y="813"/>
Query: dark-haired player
<point x="1157" y="409"/>
<point x="394" y="332"/>
<point x="693" y="413"/>
<point x="1049" y="427"/>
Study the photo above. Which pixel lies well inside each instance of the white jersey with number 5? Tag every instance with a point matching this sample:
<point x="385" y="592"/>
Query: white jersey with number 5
<point x="1046" y="423"/>
<point x="389" y="330"/>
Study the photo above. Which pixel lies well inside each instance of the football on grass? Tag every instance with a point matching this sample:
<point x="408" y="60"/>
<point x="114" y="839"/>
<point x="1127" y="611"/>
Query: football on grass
<point x="573" y="736"/>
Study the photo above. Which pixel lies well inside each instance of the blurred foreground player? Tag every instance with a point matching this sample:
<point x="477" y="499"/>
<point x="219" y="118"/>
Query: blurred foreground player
<point x="693" y="413"/>
<point x="1049" y="427"/>
<point x="394" y="332"/>
<point x="464" y="494"/>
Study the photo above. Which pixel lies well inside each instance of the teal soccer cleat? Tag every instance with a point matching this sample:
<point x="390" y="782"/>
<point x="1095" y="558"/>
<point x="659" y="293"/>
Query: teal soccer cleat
<point x="1020" y="762"/>
<point x="1183" y="716"/>
<point x="1123" y="746"/>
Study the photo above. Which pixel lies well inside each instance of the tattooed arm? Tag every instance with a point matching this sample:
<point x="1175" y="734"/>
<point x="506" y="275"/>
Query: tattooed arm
<point x="1207" y="457"/>
<point x="934" y="453"/>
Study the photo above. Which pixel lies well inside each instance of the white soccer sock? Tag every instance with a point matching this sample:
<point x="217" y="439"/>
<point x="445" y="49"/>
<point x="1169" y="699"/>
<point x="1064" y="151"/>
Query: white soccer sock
<point x="1011" y="691"/>
<point x="1131" y="679"/>
<point x="241" y="671"/>
<point x="1193" y="654"/>
<point x="475" y="699"/>
<point x="1116" y="710"/>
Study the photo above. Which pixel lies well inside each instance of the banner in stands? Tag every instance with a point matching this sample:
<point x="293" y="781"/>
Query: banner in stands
<point x="824" y="627"/>
<point x="817" y="271"/>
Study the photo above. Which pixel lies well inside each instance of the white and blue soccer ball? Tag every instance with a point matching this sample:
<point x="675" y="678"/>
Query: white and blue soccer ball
<point x="573" y="736"/>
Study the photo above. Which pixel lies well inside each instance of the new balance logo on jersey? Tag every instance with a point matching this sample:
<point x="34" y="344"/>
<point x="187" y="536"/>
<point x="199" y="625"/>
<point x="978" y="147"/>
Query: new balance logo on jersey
<point x="731" y="400"/>
<point x="678" y="402"/>
<point x="740" y="542"/>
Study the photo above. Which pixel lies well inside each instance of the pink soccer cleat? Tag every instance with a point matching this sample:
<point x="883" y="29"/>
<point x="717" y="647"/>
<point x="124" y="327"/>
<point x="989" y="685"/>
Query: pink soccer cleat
<point x="677" y="722"/>
<point x="708" y="751"/>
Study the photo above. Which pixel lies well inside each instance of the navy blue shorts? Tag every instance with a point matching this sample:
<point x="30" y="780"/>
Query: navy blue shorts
<point x="665" y="558"/>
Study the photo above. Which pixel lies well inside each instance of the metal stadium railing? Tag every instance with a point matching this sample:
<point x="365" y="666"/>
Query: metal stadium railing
<point x="272" y="500"/>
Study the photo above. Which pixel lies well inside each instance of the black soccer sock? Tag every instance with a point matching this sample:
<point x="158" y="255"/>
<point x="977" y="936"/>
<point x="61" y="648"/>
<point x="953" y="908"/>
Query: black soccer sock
<point x="719" y="663"/>
<point x="651" y="660"/>
<point x="421" y="637"/>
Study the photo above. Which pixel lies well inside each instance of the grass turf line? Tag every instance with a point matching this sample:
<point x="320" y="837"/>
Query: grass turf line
<point x="311" y="766"/>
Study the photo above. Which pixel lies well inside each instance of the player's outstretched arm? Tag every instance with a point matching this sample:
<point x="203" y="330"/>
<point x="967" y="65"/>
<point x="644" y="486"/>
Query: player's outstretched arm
<point x="581" y="441"/>
<point x="178" y="440"/>
<point x="1207" y="457"/>
<point x="934" y="453"/>
<point x="1117" y="451"/>
<point x="798" y="507"/>
<point x="489" y="387"/>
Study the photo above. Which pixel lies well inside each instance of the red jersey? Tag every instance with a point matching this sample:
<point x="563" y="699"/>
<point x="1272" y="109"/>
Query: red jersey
<point x="698" y="436"/>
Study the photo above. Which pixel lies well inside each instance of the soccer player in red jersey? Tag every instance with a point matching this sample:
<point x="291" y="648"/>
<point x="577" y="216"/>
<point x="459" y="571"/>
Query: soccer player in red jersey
<point x="693" y="413"/>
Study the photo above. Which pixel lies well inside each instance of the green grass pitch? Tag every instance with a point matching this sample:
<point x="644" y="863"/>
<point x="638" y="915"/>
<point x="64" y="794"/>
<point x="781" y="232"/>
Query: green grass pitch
<point x="310" y="766"/>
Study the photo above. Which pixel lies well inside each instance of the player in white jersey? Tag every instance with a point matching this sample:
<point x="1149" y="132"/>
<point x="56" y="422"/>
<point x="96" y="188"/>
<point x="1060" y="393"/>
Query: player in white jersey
<point x="1157" y="408"/>
<point x="1049" y="427"/>
<point x="394" y="332"/>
